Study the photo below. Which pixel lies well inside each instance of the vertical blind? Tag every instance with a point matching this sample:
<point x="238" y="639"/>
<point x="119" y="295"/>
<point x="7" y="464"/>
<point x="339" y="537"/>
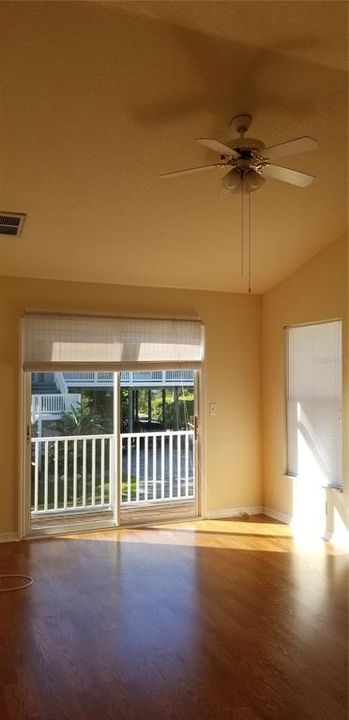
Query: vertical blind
<point x="76" y="342"/>
<point x="314" y="402"/>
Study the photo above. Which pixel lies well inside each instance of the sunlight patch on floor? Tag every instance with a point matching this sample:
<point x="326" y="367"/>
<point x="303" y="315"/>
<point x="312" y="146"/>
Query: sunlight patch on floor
<point x="260" y="535"/>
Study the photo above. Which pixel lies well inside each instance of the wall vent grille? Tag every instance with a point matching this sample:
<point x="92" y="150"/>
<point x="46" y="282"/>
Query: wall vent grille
<point x="11" y="223"/>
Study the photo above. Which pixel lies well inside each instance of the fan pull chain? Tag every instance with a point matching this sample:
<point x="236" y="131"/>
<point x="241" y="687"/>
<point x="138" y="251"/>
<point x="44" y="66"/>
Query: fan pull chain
<point x="249" y="269"/>
<point x="242" y="225"/>
<point x="249" y="242"/>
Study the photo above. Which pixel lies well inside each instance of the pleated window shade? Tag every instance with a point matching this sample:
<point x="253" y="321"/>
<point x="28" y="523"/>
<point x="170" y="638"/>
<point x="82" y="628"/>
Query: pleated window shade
<point x="66" y="342"/>
<point x="314" y="403"/>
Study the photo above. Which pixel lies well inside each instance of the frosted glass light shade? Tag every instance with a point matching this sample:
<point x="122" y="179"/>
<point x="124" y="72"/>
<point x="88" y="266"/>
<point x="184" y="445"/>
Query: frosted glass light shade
<point x="233" y="181"/>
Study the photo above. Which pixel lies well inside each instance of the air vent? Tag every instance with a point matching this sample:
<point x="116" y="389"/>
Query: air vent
<point x="11" y="223"/>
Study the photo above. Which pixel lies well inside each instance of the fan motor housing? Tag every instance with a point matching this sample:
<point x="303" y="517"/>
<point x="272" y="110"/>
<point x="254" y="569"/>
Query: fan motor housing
<point x="247" y="144"/>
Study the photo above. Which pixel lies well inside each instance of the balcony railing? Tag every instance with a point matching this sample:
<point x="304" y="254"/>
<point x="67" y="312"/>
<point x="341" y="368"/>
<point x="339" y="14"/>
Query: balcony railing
<point x="76" y="473"/>
<point x="157" y="466"/>
<point x="72" y="473"/>
<point x="139" y="378"/>
<point x="51" y="406"/>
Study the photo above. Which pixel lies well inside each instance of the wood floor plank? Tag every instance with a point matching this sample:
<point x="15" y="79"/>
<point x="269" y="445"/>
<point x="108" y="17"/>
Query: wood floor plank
<point x="200" y="620"/>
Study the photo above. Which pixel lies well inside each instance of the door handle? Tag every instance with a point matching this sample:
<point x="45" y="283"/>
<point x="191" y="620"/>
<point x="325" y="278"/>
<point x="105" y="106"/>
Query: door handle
<point x="196" y="427"/>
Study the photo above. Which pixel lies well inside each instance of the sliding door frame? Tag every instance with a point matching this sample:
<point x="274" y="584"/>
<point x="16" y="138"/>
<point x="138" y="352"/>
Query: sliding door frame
<point x="24" y="504"/>
<point x="201" y="444"/>
<point x="117" y="484"/>
<point x="24" y="455"/>
<point x="199" y="500"/>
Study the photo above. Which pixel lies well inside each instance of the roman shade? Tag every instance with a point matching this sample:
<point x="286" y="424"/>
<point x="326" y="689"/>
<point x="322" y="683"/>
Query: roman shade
<point x="66" y="342"/>
<point x="314" y="402"/>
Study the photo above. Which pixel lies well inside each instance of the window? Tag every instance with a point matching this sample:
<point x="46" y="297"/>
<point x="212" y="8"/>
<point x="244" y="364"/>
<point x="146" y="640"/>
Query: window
<point x="314" y="402"/>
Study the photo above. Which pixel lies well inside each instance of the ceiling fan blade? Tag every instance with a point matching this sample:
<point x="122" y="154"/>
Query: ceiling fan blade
<point x="294" y="177"/>
<point x="291" y="147"/>
<point x="218" y="146"/>
<point x="190" y="171"/>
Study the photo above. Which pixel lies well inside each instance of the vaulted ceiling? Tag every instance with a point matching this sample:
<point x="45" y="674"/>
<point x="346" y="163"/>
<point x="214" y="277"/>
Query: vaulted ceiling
<point x="99" y="98"/>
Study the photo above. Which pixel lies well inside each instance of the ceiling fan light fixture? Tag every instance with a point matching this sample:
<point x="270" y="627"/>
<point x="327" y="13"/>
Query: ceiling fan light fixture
<point x="236" y="182"/>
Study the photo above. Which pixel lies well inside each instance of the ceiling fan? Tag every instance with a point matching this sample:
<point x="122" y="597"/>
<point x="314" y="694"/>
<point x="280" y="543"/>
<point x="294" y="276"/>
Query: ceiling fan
<point x="249" y="161"/>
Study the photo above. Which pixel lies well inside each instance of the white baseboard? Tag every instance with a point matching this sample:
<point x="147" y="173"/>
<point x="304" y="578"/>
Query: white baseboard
<point x="254" y="510"/>
<point x="8" y="537"/>
<point x="233" y="512"/>
<point x="282" y="517"/>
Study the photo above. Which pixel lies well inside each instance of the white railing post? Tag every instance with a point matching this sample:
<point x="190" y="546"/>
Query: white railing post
<point x="93" y="479"/>
<point x="121" y="492"/>
<point x="162" y="466"/>
<point x="186" y="464"/>
<point x="55" y="503"/>
<point x="75" y="472"/>
<point x="102" y="471"/>
<point x="36" y="477"/>
<point x="170" y="465"/>
<point x="129" y="449"/>
<point x="65" y="475"/>
<point x="146" y="447"/>
<point x="111" y="496"/>
<point x="84" y="472"/>
<point x="137" y="467"/>
<point x="178" y="466"/>
<point x="154" y="467"/>
<point x="46" y="476"/>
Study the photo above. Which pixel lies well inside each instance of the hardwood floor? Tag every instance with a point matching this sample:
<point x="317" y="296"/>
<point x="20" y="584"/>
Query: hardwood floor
<point x="228" y="620"/>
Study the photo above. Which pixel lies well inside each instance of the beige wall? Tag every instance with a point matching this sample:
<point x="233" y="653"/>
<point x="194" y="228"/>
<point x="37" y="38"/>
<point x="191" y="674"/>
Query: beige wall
<point x="244" y="353"/>
<point x="318" y="291"/>
<point x="232" y="376"/>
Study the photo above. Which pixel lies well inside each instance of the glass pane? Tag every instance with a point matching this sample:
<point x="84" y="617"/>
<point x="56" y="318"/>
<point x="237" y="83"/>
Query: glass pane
<point x="72" y="444"/>
<point x="157" y="436"/>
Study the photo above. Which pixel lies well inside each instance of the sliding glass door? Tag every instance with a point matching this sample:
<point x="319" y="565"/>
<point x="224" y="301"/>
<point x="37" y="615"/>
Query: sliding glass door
<point x="108" y="447"/>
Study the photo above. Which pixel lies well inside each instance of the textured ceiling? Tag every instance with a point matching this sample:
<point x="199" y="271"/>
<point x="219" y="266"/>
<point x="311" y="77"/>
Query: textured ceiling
<point x="99" y="98"/>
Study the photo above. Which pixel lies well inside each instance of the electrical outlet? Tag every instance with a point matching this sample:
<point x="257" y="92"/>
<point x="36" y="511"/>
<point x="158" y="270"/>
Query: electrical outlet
<point x="212" y="408"/>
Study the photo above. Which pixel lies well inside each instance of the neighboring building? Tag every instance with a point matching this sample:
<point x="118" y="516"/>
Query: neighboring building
<point x="55" y="393"/>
